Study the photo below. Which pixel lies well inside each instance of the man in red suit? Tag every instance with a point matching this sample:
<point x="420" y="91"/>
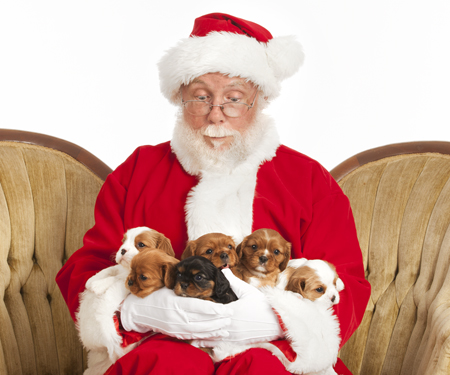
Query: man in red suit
<point x="224" y="171"/>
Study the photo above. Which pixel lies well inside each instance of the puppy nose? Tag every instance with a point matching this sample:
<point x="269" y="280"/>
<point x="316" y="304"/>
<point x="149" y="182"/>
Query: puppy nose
<point x="263" y="259"/>
<point x="333" y="299"/>
<point x="184" y="285"/>
<point x="123" y="251"/>
<point x="130" y="282"/>
<point x="224" y="256"/>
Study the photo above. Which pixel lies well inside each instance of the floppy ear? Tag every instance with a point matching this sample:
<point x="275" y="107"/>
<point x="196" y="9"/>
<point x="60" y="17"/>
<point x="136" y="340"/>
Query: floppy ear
<point x="240" y="248"/>
<point x="287" y="256"/>
<point x="297" y="284"/>
<point x="222" y="284"/>
<point x="190" y="250"/>
<point x="339" y="285"/>
<point x="163" y="243"/>
<point x="169" y="271"/>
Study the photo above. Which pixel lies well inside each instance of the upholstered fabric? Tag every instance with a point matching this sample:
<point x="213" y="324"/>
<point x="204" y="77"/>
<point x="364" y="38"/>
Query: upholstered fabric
<point x="401" y="206"/>
<point x="46" y="206"/>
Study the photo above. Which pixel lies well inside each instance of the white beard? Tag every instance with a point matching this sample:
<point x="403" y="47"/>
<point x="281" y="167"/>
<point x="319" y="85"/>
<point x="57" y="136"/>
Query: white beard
<point x="196" y="156"/>
<point x="222" y="201"/>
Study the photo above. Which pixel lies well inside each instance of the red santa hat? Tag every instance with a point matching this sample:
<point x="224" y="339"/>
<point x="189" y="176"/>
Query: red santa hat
<point x="233" y="46"/>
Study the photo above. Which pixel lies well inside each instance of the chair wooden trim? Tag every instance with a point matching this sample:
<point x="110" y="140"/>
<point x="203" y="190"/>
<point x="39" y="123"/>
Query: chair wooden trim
<point x="382" y="152"/>
<point x="93" y="163"/>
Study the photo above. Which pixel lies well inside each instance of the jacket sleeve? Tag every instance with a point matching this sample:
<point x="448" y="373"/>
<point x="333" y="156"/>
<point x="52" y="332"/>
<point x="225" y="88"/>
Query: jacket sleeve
<point x="103" y="240"/>
<point x="331" y="236"/>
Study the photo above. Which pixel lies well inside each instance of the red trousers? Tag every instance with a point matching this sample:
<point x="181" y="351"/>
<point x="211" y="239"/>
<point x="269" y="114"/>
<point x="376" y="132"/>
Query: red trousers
<point x="162" y="355"/>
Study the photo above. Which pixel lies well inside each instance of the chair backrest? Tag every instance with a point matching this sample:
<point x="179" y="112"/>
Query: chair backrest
<point x="48" y="189"/>
<point x="400" y="196"/>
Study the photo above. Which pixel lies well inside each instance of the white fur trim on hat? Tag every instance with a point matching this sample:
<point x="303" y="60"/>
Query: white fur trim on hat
<point x="236" y="55"/>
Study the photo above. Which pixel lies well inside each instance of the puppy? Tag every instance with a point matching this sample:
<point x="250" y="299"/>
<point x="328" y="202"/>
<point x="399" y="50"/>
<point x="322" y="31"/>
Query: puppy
<point x="263" y="255"/>
<point x="315" y="280"/>
<point x="103" y="295"/>
<point x="217" y="247"/>
<point x="198" y="277"/>
<point x="151" y="270"/>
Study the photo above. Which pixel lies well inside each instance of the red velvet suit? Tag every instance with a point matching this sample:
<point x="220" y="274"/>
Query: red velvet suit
<point x="294" y="195"/>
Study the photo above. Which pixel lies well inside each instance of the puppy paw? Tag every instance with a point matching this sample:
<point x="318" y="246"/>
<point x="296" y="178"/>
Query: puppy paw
<point x="99" y="286"/>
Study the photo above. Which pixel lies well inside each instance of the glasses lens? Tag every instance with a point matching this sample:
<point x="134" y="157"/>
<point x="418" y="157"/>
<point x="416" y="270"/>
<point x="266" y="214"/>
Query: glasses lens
<point x="197" y="108"/>
<point x="234" y="109"/>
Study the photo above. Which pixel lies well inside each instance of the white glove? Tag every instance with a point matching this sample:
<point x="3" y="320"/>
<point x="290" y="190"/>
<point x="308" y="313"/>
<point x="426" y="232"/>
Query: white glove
<point x="253" y="319"/>
<point x="181" y="317"/>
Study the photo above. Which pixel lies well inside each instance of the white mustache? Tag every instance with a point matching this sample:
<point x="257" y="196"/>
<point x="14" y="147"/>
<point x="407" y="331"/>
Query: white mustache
<point x="218" y="131"/>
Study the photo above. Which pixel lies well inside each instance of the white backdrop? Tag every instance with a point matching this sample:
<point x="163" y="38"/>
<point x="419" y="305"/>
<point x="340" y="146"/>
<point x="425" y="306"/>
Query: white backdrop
<point x="375" y="72"/>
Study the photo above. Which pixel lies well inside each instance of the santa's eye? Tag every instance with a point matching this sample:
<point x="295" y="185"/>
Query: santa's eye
<point x="198" y="277"/>
<point x="141" y="244"/>
<point x="319" y="290"/>
<point x="209" y="251"/>
<point x="143" y="277"/>
<point x="276" y="251"/>
<point x="230" y="247"/>
<point x="254" y="247"/>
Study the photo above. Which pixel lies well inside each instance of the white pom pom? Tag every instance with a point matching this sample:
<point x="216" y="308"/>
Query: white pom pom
<point x="285" y="56"/>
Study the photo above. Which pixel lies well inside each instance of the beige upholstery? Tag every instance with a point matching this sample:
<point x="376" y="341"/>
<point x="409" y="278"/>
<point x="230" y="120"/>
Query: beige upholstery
<point x="46" y="206"/>
<point x="401" y="206"/>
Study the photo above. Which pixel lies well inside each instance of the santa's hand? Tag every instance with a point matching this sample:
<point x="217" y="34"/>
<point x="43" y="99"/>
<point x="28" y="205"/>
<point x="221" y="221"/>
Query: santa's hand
<point x="253" y="319"/>
<point x="181" y="317"/>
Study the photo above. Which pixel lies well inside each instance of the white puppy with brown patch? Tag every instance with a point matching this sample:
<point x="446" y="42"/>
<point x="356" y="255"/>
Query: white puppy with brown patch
<point x="103" y="295"/>
<point x="305" y="292"/>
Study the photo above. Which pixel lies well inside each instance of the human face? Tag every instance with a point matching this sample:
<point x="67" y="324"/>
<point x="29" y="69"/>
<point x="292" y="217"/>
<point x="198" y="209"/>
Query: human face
<point x="216" y="89"/>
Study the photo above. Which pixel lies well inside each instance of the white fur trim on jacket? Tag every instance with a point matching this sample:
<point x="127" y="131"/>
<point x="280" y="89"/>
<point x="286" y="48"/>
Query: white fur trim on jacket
<point x="222" y="201"/>
<point x="312" y="331"/>
<point x="264" y="64"/>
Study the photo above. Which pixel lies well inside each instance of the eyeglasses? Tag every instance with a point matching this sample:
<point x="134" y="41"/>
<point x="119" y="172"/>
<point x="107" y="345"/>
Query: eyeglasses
<point x="229" y="109"/>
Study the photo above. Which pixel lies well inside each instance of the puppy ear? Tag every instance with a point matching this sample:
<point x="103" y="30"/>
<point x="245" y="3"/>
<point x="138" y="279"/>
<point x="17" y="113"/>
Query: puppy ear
<point x="190" y="250"/>
<point x="297" y="284"/>
<point x="339" y="285"/>
<point x="222" y="284"/>
<point x="240" y="248"/>
<point x="163" y="243"/>
<point x="169" y="271"/>
<point x="287" y="256"/>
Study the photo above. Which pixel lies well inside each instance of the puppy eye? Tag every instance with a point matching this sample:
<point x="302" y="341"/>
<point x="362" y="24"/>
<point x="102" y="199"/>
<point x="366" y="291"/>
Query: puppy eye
<point x="230" y="247"/>
<point x="254" y="247"/>
<point x="141" y="244"/>
<point x="143" y="277"/>
<point x="319" y="290"/>
<point x="198" y="277"/>
<point x="179" y="275"/>
<point x="209" y="251"/>
<point x="276" y="252"/>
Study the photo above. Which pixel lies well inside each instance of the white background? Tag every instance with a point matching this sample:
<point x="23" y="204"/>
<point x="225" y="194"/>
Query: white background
<point x="376" y="72"/>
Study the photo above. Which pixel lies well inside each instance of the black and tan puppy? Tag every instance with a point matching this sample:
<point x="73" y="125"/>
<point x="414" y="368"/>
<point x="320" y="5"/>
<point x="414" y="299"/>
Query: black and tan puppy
<point x="198" y="277"/>
<point x="217" y="247"/>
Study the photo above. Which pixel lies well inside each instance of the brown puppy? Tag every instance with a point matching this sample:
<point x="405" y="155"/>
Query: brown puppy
<point x="263" y="255"/>
<point x="217" y="247"/>
<point x="151" y="270"/>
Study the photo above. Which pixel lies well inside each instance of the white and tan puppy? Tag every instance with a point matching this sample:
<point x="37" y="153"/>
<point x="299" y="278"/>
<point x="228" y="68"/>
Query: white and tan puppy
<point x="315" y="279"/>
<point x="103" y="295"/>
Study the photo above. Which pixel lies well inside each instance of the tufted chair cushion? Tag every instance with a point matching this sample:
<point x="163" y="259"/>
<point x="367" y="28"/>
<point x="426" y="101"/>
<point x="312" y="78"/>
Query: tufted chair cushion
<point x="400" y="196"/>
<point x="47" y="197"/>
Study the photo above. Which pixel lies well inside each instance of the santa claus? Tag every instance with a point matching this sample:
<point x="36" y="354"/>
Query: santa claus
<point x="224" y="171"/>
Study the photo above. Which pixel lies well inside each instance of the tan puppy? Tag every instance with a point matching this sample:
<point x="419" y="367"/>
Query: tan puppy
<point x="263" y="255"/>
<point x="151" y="270"/>
<point x="316" y="280"/>
<point x="219" y="248"/>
